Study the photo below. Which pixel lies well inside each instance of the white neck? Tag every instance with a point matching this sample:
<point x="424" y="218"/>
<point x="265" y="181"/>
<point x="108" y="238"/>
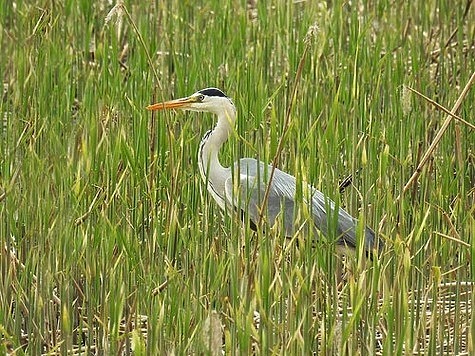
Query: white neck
<point x="211" y="170"/>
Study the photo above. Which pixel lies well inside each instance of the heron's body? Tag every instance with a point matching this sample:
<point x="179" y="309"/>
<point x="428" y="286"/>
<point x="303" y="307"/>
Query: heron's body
<point x="243" y="187"/>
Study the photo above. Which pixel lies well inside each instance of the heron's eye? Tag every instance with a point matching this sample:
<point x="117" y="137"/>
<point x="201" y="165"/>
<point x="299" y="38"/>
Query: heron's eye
<point x="201" y="97"/>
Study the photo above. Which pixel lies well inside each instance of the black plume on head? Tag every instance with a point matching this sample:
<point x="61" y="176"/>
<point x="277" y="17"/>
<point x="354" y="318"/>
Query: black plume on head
<point x="213" y="92"/>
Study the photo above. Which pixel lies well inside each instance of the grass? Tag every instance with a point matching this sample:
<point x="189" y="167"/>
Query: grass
<point x="109" y="243"/>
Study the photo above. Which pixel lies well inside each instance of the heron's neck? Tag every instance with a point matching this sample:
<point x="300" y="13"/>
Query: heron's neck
<point x="210" y="168"/>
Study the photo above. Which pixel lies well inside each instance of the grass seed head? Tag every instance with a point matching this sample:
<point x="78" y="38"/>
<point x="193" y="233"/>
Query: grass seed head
<point x="312" y="34"/>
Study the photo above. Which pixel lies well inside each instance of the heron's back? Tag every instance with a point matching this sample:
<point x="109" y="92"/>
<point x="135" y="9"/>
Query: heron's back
<point x="283" y="199"/>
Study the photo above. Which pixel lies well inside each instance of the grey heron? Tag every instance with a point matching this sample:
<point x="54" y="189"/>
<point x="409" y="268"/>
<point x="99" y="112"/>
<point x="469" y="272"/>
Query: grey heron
<point x="245" y="191"/>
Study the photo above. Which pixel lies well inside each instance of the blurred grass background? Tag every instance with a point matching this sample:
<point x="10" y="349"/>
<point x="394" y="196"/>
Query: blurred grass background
<point x="109" y="243"/>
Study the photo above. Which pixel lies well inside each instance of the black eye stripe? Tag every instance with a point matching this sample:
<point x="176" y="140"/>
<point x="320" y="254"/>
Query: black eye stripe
<point x="213" y="92"/>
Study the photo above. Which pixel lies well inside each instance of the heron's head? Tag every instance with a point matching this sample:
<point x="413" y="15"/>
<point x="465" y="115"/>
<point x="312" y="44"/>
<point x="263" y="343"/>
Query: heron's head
<point x="210" y="100"/>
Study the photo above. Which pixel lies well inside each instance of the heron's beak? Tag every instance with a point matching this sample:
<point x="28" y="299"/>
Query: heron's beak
<point x="182" y="103"/>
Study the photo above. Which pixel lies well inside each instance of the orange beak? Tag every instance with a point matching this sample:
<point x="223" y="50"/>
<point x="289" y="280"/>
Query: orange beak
<point x="173" y="104"/>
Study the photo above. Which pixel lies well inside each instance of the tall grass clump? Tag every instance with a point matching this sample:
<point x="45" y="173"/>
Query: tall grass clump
<point x="109" y="242"/>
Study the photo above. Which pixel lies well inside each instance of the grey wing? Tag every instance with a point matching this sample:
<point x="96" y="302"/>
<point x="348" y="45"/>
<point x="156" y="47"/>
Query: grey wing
<point x="345" y="225"/>
<point x="248" y="194"/>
